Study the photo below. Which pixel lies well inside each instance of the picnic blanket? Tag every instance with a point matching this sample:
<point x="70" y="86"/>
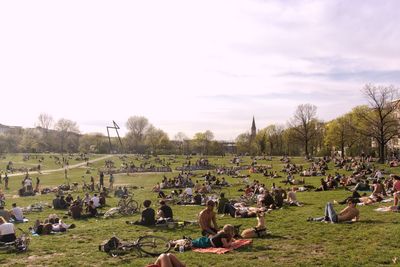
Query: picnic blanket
<point x="237" y="244"/>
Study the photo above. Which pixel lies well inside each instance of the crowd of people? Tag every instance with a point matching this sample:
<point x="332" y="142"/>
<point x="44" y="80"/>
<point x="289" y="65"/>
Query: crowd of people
<point x="365" y="183"/>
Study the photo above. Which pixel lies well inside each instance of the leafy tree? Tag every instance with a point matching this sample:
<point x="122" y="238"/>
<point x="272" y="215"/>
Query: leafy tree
<point x="342" y="132"/>
<point x="156" y="138"/>
<point x="203" y="140"/>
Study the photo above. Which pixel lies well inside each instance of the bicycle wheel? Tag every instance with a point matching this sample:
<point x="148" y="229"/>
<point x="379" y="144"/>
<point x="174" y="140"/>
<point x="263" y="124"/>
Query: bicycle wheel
<point x="133" y="205"/>
<point x="154" y="245"/>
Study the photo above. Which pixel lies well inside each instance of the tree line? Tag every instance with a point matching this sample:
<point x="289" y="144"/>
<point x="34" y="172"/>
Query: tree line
<point x="370" y="129"/>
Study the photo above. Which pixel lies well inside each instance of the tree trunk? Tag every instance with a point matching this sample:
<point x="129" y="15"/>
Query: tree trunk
<point x="382" y="153"/>
<point x="306" y="148"/>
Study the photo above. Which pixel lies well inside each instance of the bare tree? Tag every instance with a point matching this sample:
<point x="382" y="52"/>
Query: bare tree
<point x="65" y="128"/>
<point x="304" y="124"/>
<point x="137" y="126"/>
<point x="180" y="138"/>
<point x="381" y="122"/>
<point x="44" y="121"/>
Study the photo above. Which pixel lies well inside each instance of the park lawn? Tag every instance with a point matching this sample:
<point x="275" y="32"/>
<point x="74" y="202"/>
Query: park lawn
<point x="373" y="241"/>
<point x="48" y="163"/>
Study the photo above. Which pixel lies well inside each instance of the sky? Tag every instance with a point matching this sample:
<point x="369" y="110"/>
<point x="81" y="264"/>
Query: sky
<point x="191" y="66"/>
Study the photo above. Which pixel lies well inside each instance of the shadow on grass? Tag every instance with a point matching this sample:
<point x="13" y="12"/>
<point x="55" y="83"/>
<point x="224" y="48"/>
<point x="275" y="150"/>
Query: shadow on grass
<point x="370" y="222"/>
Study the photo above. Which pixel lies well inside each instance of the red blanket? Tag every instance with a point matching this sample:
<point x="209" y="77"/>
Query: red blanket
<point x="237" y="244"/>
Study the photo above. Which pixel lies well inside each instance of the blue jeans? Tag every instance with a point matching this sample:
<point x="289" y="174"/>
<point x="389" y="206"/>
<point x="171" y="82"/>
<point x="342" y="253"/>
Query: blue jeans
<point x="330" y="214"/>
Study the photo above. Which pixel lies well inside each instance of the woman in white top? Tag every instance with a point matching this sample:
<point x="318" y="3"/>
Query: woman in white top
<point x="7" y="231"/>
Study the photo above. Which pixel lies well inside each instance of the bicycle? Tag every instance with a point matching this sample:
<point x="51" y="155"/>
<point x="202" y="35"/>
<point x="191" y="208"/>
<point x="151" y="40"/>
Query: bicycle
<point x="18" y="245"/>
<point x="127" y="205"/>
<point x="149" y="244"/>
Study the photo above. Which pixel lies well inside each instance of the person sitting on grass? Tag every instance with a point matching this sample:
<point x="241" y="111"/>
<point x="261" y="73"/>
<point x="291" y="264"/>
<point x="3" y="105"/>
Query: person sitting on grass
<point x="221" y="203"/>
<point x="119" y="192"/>
<point x="208" y="220"/>
<point x="7" y="231"/>
<point x="76" y="210"/>
<point x="16" y="213"/>
<point x="323" y="187"/>
<point x="63" y="203"/>
<point x="91" y="209"/>
<point x="69" y="199"/>
<point x="102" y="199"/>
<point x="349" y="214"/>
<point x="164" y="213"/>
<point x="167" y="260"/>
<point x="148" y="215"/>
<point x="222" y="239"/>
<point x="5" y="214"/>
<point x="292" y="198"/>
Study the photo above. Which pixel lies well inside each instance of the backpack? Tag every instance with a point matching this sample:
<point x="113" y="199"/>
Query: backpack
<point x="110" y="244"/>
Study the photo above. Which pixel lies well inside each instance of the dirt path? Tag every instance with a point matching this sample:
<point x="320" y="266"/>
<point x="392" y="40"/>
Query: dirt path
<point x="62" y="169"/>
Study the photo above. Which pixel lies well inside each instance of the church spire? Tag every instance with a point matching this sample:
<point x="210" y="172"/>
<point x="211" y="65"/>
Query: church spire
<point x="253" y="129"/>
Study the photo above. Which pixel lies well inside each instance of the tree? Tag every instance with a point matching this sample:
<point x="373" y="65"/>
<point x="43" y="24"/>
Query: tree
<point x="45" y="121"/>
<point x="274" y="134"/>
<point x="137" y="126"/>
<point x="155" y="138"/>
<point x="30" y="141"/>
<point x="341" y="132"/>
<point x="304" y="124"/>
<point x="65" y="128"/>
<point x="180" y="138"/>
<point x="203" y="140"/>
<point x="261" y="141"/>
<point x="380" y="122"/>
<point x="93" y="143"/>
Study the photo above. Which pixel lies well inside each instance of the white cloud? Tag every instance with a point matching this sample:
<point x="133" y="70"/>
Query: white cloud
<point x="98" y="61"/>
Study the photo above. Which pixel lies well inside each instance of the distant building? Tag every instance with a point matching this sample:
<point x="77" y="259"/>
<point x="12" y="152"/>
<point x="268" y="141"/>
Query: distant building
<point x="253" y="129"/>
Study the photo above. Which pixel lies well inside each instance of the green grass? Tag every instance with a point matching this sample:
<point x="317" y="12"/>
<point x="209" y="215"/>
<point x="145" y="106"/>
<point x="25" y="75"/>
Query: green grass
<point x="373" y="241"/>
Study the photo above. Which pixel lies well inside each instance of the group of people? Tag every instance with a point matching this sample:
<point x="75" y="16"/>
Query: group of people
<point x="149" y="217"/>
<point x="76" y="207"/>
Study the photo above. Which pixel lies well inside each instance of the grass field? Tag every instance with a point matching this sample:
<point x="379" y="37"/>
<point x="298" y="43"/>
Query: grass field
<point x="373" y="241"/>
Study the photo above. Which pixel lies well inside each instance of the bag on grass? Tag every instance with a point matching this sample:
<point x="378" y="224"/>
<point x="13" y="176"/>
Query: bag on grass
<point x="110" y="244"/>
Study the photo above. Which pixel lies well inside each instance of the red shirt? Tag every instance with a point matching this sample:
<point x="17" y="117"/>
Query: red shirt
<point x="396" y="185"/>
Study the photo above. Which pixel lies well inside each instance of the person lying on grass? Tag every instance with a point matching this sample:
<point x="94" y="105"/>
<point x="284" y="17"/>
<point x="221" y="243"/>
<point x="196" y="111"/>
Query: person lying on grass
<point x="222" y="239"/>
<point x="348" y="214"/>
<point x="52" y="224"/>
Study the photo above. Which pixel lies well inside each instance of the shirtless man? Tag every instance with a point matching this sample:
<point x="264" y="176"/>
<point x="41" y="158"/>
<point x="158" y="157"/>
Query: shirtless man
<point x="350" y="213"/>
<point x="207" y="217"/>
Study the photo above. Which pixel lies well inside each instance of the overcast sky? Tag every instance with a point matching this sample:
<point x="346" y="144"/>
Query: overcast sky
<point x="192" y="65"/>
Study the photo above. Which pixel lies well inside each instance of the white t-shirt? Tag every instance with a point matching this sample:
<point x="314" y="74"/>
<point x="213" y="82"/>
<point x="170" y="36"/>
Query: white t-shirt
<point x="17" y="211"/>
<point x="28" y="182"/>
<point x="7" y="228"/>
<point x="188" y="191"/>
<point x="96" y="201"/>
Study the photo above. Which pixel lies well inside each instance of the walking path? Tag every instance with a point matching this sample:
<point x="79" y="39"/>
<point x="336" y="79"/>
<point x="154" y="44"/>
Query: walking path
<point x="62" y="169"/>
